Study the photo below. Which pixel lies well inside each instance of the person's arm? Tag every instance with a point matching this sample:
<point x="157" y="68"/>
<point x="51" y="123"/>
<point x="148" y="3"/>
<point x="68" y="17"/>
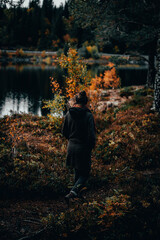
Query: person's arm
<point x="65" y="130"/>
<point x="91" y="132"/>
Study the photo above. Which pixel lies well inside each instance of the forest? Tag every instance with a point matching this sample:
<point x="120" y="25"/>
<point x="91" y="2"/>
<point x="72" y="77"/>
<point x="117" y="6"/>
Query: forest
<point x="45" y="27"/>
<point x="121" y="199"/>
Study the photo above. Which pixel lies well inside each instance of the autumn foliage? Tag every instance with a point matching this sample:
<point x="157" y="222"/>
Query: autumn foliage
<point x="124" y="179"/>
<point x="77" y="79"/>
<point x="107" y="80"/>
<point x="33" y="154"/>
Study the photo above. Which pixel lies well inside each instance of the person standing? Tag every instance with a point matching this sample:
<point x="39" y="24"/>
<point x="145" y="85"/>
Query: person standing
<point x="79" y="129"/>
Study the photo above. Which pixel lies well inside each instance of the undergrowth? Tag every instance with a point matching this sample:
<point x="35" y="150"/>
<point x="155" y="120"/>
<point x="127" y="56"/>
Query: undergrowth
<point x="126" y="159"/>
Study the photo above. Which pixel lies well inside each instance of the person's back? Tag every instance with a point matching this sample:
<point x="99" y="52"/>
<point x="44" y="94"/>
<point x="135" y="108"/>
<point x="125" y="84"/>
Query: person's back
<point x="79" y="126"/>
<point x="79" y="129"/>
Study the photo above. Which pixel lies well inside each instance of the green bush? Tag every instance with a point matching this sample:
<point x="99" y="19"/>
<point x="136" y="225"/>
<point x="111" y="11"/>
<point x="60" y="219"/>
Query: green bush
<point x="89" y="52"/>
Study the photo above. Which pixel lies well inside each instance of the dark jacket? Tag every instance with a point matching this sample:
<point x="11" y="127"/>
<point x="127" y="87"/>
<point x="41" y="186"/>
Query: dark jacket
<point x="79" y="129"/>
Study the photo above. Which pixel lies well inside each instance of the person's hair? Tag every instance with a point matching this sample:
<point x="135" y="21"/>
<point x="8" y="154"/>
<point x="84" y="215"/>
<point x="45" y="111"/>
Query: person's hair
<point x="81" y="98"/>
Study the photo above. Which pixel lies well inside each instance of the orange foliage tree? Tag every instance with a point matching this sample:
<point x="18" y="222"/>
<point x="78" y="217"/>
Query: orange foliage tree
<point x="108" y="80"/>
<point x="78" y="79"/>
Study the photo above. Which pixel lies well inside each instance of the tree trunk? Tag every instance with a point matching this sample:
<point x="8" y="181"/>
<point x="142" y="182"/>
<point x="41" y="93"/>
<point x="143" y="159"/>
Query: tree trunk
<point x="151" y="71"/>
<point x="157" y="79"/>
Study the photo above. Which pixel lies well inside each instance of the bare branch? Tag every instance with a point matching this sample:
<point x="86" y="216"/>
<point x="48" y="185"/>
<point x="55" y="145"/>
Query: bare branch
<point x="34" y="234"/>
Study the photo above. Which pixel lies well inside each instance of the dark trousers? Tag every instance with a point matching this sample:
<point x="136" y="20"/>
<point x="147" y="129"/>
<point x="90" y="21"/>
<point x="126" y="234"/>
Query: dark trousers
<point x="80" y="179"/>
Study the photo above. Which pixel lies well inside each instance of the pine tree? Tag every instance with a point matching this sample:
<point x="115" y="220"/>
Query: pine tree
<point x="135" y="23"/>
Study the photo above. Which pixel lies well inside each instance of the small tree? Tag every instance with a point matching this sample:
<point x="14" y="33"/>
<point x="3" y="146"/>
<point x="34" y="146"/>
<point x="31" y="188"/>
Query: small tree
<point x="108" y="80"/>
<point x="76" y="79"/>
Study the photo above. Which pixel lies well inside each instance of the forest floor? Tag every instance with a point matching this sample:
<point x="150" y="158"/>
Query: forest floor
<point x="123" y="191"/>
<point x="20" y="217"/>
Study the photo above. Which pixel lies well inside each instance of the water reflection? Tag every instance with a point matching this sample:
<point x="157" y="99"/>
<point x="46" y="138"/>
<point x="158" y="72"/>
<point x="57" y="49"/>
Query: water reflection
<point x="22" y="88"/>
<point x="19" y="103"/>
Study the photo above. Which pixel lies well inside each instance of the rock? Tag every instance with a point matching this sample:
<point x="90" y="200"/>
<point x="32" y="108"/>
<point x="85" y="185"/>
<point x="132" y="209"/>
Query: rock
<point x="109" y="104"/>
<point x="113" y="99"/>
<point x="102" y="106"/>
<point x="105" y="93"/>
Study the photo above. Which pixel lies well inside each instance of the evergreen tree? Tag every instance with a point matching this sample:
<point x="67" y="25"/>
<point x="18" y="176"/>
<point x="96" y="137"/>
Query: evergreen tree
<point x="135" y="23"/>
<point x="34" y="21"/>
<point x="46" y="19"/>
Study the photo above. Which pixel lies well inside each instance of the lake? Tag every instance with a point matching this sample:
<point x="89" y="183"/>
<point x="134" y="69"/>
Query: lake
<point x="22" y="88"/>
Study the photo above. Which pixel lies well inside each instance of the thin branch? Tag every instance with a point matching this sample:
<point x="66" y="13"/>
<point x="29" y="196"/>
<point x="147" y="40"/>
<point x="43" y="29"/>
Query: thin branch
<point x="31" y="221"/>
<point x="34" y="234"/>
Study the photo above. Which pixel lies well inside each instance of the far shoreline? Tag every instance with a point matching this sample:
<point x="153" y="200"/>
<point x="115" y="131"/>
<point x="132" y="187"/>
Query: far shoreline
<point x="21" y="56"/>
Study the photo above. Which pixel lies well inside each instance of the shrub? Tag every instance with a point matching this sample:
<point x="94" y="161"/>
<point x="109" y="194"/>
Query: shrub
<point x="59" y="52"/>
<point x="43" y="54"/>
<point x="92" y="51"/>
<point x="89" y="52"/>
<point x="20" y="53"/>
<point x="76" y="80"/>
<point x="125" y="142"/>
<point x="92" y="217"/>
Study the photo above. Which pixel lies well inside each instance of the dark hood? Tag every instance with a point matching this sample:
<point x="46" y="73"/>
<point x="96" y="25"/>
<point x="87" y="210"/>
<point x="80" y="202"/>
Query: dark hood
<point x="77" y="113"/>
